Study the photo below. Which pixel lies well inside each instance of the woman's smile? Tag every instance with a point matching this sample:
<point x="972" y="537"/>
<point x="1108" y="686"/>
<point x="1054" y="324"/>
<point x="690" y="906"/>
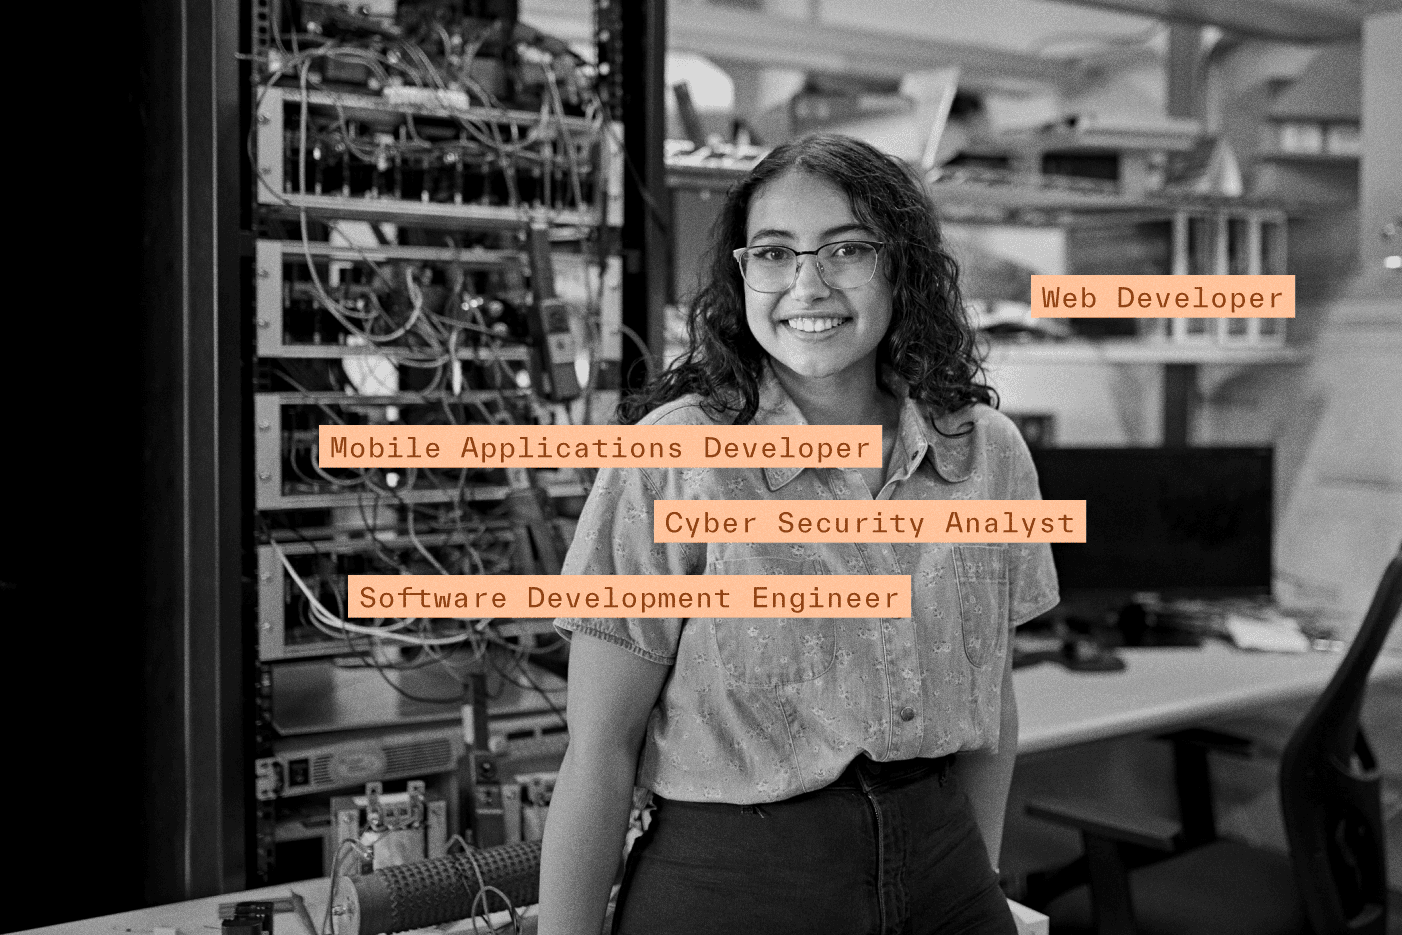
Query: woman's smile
<point x="815" y="325"/>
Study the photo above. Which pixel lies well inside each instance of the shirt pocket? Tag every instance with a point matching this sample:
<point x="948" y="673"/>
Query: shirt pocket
<point x="981" y="572"/>
<point x="773" y="650"/>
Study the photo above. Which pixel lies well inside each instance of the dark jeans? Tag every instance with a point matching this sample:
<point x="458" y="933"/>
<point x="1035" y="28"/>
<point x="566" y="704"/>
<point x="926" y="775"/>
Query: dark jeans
<point x="886" y="849"/>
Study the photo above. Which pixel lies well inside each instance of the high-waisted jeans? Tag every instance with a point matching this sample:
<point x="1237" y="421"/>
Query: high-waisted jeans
<point x="888" y="848"/>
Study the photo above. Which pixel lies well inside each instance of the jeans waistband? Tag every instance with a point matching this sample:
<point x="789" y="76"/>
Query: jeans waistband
<point x="876" y="772"/>
<point x="861" y="774"/>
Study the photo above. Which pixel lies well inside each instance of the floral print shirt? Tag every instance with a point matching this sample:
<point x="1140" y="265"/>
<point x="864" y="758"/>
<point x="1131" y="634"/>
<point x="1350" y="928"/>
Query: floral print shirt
<point x="758" y="710"/>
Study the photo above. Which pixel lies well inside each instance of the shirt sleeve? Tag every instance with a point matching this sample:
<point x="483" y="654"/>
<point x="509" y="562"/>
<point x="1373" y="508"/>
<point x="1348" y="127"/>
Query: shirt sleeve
<point x="1032" y="584"/>
<point x="614" y="537"/>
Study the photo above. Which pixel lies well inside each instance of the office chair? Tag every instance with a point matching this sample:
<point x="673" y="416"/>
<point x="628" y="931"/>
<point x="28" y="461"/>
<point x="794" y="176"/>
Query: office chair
<point x="1332" y="883"/>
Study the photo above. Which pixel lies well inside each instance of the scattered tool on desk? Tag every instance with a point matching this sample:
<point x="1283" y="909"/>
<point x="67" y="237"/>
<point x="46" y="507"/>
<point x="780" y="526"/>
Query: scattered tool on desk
<point x="1078" y="655"/>
<point x="280" y="904"/>
<point x="1268" y="633"/>
<point x="250" y="917"/>
<point x="240" y="916"/>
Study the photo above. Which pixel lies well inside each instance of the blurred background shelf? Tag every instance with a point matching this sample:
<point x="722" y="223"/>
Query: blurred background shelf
<point x="1338" y="159"/>
<point x="1136" y="351"/>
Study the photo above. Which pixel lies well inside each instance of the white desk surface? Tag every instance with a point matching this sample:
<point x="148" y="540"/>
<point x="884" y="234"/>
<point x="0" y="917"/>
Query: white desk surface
<point x="199" y="916"/>
<point x="1163" y="688"/>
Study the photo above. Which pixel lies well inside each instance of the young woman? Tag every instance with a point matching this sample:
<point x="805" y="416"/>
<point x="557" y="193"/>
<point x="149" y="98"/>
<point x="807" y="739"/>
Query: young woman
<point x="805" y="776"/>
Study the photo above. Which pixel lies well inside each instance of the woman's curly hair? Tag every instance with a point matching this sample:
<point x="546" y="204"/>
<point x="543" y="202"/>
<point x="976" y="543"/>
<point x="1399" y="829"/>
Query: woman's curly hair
<point x="929" y="344"/>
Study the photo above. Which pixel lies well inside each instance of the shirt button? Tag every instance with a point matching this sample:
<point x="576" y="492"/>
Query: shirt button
<point x="907" y="714"/>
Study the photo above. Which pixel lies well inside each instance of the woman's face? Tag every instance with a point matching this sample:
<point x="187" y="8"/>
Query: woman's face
<point x="812" y="329"/>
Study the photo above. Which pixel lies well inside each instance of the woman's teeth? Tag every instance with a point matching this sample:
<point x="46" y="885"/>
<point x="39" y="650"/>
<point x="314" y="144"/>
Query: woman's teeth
<point x="814" y="325"/>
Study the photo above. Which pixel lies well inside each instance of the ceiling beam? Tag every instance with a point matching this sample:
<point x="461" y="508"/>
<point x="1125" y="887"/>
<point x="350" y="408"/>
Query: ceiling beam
<point x="1308" y="21"/>
<point x="733" y="35"/>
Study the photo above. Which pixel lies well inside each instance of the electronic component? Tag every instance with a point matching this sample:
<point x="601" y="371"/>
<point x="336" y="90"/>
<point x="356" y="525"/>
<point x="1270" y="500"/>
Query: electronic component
<point x="290" y="627"/>
<point x="511" y="813"/>
<point x="476" y="51"/>
<point x="239" y="912"/>
<point x="488" y="807"/>
<point x="402" y="153"/>
<point x="390" y="829"/>
<point x="525" y="804"/>
<point x="529" y="736"/>
<point x="422" y="157"/>
<point x="540" y="549"/>
<point x="555" y="350"/>
<point x="308" y="832"/>
<point x="315" y="299"/>
<point x="536" y="791"/>
<point x="249" y="918"/>
<point x="435" y="891"/>
<point x="288" y="475"/>
<point x="555" y="345"/>
<point x="301" y="766"/>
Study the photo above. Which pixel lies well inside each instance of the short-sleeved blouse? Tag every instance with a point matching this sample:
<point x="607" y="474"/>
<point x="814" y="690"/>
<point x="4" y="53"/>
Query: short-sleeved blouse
<point x="759" y="710"/>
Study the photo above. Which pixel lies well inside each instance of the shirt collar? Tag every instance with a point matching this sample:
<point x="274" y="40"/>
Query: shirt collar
<point x="917" y="437"/>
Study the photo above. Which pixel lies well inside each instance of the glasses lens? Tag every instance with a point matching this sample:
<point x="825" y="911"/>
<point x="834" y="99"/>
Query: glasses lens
<point x="847" y="265"/>
<point x="768" y="269"/>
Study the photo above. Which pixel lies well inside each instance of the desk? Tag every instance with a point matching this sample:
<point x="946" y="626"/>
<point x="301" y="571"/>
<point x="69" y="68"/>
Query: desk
<point x="1163" y="688"/>
<point x="1159" y="689"/>
<point x="199" y="916"/>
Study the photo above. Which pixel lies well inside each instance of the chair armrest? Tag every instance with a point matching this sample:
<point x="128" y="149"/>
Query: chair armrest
<point x="1029" y="921"/>
<point x="1192" y="777"/>
<point x="1095" y="819"/>
<point x="1215" y="741"/>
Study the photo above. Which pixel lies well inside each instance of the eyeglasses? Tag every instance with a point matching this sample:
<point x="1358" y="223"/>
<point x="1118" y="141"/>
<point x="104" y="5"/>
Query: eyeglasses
<point x="846" y="264"/>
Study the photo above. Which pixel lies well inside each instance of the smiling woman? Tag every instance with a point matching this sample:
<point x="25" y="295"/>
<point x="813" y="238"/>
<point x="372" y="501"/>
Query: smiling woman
<point x="816" y="318"/>
<point x="855" y="193"/>
<point x="805" y="773"/>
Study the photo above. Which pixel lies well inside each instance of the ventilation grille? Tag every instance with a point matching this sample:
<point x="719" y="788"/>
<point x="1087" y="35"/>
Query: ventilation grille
<point x="421" y="757"/>
<point x="321" y="771"/>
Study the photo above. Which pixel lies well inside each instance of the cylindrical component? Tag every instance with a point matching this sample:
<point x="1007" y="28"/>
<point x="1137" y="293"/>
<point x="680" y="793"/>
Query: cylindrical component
<point x="439" y="890"/>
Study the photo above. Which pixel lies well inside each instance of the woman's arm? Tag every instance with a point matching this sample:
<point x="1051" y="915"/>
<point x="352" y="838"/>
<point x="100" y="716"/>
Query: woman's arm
<point x="611" y="693"/>
<point x="987" y="777"/>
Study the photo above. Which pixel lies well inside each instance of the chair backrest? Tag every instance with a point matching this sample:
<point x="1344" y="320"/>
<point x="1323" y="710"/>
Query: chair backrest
<point x="1330" y="789"/>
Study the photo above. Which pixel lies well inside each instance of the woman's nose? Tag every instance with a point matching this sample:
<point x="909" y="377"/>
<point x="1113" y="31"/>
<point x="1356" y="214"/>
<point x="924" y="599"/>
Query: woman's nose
<point x="809" y="285"/>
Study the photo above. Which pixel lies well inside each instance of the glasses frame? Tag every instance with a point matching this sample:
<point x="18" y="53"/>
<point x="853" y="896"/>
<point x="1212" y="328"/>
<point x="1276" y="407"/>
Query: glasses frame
<point x="740" y="252"/>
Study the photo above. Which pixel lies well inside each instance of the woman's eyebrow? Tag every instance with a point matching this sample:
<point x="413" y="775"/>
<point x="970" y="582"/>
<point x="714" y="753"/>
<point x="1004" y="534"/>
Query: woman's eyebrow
<point x="788" y="235"/>
<point x="843" y="229"/>
<point x="771" y="232"/>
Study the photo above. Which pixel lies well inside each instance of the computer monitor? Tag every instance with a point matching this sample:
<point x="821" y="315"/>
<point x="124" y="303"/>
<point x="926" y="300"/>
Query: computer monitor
<point x="1183" y="522"/>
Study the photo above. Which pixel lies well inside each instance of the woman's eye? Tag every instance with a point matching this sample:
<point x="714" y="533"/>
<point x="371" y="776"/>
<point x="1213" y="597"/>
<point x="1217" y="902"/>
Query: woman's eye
<point x="848" y="250"/>
<point x="769" y="254"/>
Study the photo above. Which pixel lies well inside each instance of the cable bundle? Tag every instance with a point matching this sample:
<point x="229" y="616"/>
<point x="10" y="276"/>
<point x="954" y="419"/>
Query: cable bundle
<point x="443" y="889"/>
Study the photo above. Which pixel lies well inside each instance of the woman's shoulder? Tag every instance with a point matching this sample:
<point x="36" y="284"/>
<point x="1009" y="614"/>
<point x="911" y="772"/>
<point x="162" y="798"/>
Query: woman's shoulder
<point x="685" y="410"/>
<point x="981" y="419"/>
<point x="978" y="440"/>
